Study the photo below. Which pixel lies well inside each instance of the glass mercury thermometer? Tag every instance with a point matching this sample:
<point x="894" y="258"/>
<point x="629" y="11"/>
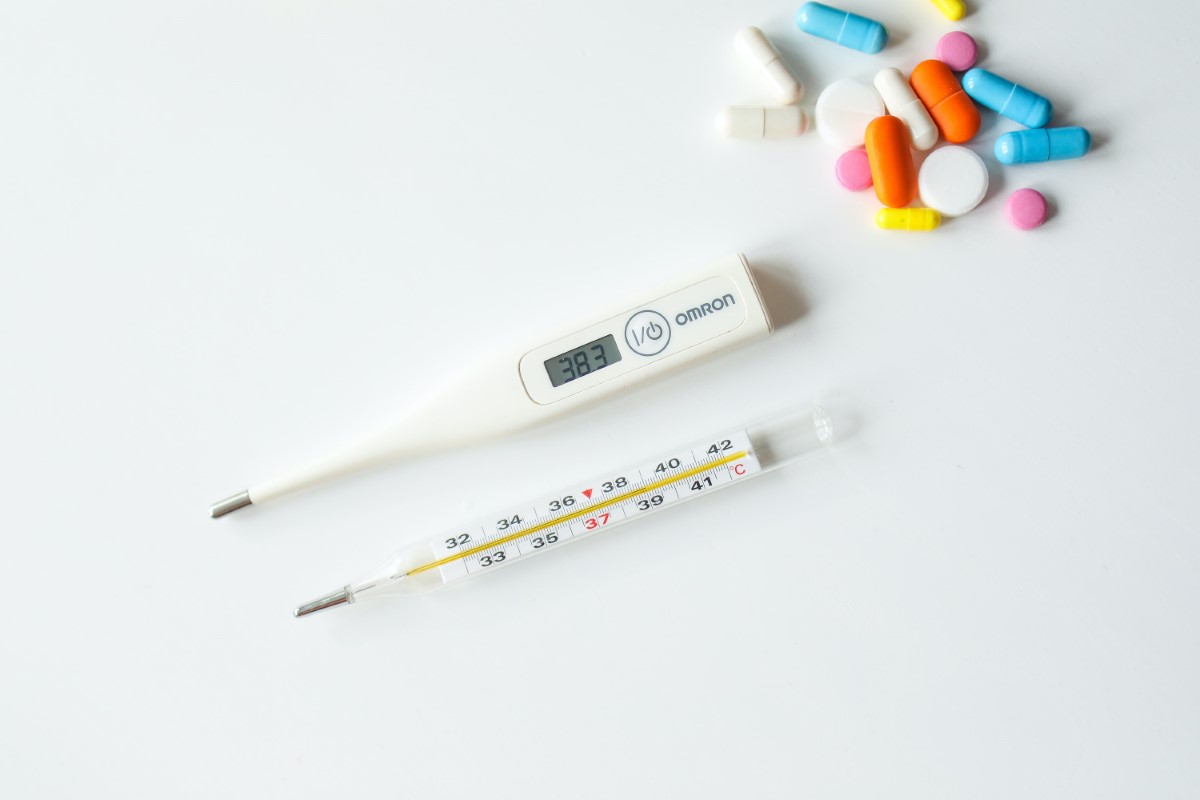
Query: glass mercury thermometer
<point x="586" y="507"/>
<point x="712" y="309"/>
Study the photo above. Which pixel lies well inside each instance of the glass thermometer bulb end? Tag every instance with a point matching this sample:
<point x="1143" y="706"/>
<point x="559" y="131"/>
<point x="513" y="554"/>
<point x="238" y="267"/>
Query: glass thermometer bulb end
<point x="230" y="504"/>
<point x="341" y="597"/>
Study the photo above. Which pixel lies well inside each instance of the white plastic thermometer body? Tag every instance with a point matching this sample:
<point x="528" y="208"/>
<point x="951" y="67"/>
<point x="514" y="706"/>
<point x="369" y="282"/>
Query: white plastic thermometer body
<point x="710" y="310"/>
<point x="525" y="529"/>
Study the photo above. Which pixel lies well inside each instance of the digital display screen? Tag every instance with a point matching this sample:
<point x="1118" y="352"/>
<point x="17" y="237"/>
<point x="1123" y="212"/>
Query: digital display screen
<point x="583" y="360"/>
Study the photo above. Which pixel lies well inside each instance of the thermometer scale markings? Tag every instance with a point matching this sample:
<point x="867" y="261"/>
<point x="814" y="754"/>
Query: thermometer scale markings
<point x="596" y="510"/>
<point x="631" y="494"/>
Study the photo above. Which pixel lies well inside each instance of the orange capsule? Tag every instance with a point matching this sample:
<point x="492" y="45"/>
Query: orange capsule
<point x="890" y="155"/>
<point x="953" y="111"/>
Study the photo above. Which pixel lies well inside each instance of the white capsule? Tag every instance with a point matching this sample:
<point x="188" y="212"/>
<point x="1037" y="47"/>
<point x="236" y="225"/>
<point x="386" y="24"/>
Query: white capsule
<point x="758" y="50"/>
<point x="756" y="122"/>
<point x="902" y="102"/>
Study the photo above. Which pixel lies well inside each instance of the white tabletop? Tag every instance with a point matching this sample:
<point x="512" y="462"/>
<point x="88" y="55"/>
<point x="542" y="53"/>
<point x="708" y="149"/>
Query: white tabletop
<point x="234" y="235"/>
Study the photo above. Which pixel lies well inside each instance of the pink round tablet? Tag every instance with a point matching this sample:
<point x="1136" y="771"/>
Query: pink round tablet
<point x="1025" y="209"/>
<point x="854" y="170"/>
<point x="957" y="50"/>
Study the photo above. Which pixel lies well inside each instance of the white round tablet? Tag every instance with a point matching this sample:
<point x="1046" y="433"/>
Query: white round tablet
<point x="843" y="112"/>
<point x="953" y="180"/>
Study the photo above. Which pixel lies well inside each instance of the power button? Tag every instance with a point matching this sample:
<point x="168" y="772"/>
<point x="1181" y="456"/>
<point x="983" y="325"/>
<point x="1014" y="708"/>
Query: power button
<point x="647" y="333"/>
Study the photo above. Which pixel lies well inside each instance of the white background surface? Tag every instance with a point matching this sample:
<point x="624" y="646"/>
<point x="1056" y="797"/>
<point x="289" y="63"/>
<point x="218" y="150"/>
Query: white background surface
<point x="234" y="234"/>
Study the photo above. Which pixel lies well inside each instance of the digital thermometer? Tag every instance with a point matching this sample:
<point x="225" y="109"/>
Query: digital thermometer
<point x="536" y="526"/>
<point x="710" y="310"/>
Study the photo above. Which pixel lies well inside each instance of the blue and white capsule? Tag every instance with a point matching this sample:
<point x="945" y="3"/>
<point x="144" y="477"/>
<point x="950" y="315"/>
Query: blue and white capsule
<point x="842" y="27"/>
<point x="1042" y="144"/>
<point x="1007" y="98"/>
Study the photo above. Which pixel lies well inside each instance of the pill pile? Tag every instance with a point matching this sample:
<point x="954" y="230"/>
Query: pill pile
<point x="878" y="127"/>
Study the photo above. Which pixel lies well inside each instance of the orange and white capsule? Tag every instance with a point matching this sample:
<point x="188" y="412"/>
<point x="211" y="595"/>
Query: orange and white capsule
<point x="953" y="111"/>
<point x="892" y="170"/>
<point x="908" y="219"/>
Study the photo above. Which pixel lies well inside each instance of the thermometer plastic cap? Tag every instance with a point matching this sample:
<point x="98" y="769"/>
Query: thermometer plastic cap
<point x="756" y="122"/>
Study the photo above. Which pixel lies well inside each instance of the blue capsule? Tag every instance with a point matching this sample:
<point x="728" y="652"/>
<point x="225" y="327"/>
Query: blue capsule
<point x="841" y="27"/>
<point x="1007" y="98"/>
<point x="1042" y="144"/>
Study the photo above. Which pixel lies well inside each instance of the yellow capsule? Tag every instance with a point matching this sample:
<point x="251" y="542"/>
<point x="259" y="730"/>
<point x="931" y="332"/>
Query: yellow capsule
<point x="952" y="9"/>
<point x="908" y="219"/>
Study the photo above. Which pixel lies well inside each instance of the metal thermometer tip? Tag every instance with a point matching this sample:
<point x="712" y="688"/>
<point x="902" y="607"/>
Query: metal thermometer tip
<point x="239" y="500"/>
<point x="340" y="597"/>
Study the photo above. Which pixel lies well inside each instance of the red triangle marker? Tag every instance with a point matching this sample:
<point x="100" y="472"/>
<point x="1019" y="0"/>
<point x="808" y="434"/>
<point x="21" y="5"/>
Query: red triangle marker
<point x="587" y="493"/>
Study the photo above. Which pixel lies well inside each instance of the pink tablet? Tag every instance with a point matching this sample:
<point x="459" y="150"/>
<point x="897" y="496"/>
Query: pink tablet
<point x="1026" y="209"/>
<point x="853" y="170"/>
<point x="957" y="50"/>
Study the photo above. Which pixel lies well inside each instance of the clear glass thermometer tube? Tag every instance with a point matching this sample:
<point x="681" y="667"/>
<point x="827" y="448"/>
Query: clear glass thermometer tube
<point x="526" y="529"/>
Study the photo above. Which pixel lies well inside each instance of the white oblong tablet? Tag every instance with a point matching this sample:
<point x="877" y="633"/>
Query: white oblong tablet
<point x="843" y="112"/>
<point x="756" y="122"/>
<point x="953" y="180"/>
<point x="900" y="101"/>
<point x="754" y="45"/>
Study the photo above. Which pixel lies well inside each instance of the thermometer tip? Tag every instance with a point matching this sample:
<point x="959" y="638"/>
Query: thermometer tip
<point x="337" y="598"/>
<point x="239" y="500"/>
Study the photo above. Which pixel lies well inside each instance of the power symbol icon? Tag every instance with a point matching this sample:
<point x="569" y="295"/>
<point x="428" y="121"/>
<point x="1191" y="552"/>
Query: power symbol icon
<point x="647" y="333"/>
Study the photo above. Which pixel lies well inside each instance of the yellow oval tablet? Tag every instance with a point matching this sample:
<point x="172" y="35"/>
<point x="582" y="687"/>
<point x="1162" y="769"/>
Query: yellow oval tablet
<point x="952" y="9"/>
<point x="908" y="219"/>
